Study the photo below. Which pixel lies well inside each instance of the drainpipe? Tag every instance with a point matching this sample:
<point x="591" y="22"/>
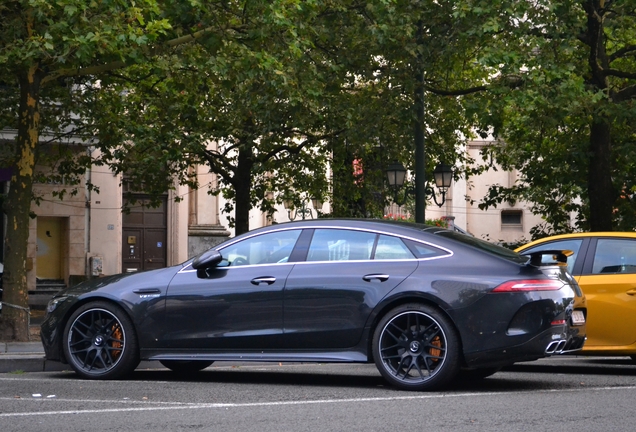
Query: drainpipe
<point x="87" y="219"/>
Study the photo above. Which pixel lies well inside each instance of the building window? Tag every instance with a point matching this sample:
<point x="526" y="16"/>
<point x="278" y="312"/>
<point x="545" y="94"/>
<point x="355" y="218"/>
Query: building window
<point x="511" y="217"/>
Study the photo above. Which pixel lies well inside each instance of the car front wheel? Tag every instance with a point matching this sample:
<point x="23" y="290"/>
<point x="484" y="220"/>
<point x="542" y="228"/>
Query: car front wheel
<point x="415" y="347"/>
<point x="100" y="342"/>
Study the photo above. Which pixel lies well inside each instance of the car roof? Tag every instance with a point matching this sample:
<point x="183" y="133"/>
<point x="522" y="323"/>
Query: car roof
<point x="378" y="224"/>
<point x="630" y="234"/>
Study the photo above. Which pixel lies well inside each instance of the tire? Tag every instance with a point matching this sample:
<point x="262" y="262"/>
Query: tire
<point x="415" y="347"/>
<point x="185" y="367"/>
<point x="477" y="374"/>
<point x="99" y="342"/>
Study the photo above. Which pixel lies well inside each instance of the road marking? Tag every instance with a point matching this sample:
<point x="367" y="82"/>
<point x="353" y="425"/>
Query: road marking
<point x="291" y="403"/>
<point x="120" y="401"/>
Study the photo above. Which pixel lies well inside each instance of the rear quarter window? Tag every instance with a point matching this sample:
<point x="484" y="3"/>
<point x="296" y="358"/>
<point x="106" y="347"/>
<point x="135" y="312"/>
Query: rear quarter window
<point x="421" y="250"/>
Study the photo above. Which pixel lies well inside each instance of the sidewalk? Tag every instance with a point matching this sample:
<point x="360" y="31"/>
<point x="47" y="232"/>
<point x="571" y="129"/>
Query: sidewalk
<point x="28" y="356"/>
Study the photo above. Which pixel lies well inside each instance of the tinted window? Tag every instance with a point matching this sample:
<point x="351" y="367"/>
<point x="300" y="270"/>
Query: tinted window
<point x="391" y="248"/>
<point x="424" y="251"/>
<point x="573" y="245"/>
<point x="340" y="245"/>
<point x="615" y="256"/>
<point x="268" y="248"/>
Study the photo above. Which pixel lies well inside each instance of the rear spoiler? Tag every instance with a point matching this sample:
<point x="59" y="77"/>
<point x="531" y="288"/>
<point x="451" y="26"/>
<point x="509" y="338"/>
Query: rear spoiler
<point x="548" y="257"/>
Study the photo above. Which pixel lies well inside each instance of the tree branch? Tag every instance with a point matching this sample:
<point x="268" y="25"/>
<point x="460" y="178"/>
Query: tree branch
<point x="218" y="164"/>
<point x="619" y="74"/>
<point x="622" y="52"/>
<point x="96" y="69"/>
<point x="625" y="94"/>
<point x="295" y="149"/>
<point x="459" y="92"/>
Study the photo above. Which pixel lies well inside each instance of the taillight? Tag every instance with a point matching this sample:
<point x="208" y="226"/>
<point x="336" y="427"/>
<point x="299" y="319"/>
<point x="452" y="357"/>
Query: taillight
<point x="529" y="285"/>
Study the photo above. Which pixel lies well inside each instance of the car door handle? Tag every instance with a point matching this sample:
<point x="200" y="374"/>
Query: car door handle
<point x="268" y="280"/>
<point x="631" y="292"/>
<point x="380" y="277"/>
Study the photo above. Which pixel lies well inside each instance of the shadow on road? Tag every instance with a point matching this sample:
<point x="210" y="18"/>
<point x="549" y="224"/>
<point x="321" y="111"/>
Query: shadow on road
<point x="367" y="377"/>
<point x="587" y="366"/>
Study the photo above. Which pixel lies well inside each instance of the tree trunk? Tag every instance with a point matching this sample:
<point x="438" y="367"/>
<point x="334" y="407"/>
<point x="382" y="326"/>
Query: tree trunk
<point x="599" y="185"/>
<point x="242" y="188"/>
<point x="15" y="311"/>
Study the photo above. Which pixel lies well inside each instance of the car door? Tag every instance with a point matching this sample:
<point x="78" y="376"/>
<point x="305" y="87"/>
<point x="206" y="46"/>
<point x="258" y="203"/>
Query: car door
<point x="237" y="304"/>
<point x="328" y="298"/>
<point x="609" y="283"/>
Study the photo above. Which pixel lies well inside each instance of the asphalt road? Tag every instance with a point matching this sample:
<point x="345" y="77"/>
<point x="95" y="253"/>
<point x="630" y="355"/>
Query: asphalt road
<point x="564" y="393"/>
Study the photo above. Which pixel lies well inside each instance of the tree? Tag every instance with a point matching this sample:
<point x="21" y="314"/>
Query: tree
<point x="420" y="70"/>
<point x="259" y="96"/>
<point x="44" y="43"/>
<point x="295" y="87"/>
<point x="569" y="129"/>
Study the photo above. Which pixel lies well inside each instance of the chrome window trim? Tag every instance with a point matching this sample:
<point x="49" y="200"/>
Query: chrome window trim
<point x="188" y="269"/>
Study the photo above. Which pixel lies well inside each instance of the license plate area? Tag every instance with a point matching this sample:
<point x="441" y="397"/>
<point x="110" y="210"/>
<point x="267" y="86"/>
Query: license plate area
<point x="578" y="317"/>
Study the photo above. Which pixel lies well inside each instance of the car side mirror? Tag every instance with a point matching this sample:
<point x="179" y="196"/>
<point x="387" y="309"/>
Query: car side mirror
<point x="207" y="259"/>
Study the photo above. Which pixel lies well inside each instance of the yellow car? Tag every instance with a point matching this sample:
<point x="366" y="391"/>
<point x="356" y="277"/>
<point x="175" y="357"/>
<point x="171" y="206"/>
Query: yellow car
<point x="604" y="265"/>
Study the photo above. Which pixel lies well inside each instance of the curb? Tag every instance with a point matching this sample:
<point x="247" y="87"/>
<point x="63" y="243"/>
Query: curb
<point x="18" y="363"/>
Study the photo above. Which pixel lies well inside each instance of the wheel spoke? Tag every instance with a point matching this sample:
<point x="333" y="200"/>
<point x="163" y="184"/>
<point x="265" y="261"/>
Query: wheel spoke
<point x="399" y="367"/>
<point x="392" y="347"/>
<point x="108" y="328"/>
<point x="419" y="370"/>
<point x="397" y="338"/>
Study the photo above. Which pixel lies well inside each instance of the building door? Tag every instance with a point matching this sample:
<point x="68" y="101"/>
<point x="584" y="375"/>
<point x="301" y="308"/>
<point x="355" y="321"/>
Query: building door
<point x="144" y="236"/>
<point x="50" y="232"/>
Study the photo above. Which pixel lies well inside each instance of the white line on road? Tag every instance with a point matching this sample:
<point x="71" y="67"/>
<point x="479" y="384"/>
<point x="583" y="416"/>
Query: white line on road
<point x="309" y="402"/>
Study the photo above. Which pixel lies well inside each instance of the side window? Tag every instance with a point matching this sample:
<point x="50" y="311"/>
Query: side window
<point x="573" y="245"/>
<point x="614" y="256"/>
<point x="422" y="250"/>
<point x="340" y="245"/>
<point x="267" y="248"/>
<point x="391" y="248"/>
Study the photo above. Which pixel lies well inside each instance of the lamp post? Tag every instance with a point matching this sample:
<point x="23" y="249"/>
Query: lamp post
<point x="304" y="211"/>
<point x="396" y="175"/>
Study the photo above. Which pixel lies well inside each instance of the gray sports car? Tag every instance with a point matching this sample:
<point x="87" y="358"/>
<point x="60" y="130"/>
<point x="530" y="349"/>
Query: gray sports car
<point x="427" y="305"/>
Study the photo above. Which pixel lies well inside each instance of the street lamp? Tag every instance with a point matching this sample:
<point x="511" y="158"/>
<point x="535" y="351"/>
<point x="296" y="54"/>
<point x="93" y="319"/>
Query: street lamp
<point x="396" y="175"/>
<point x="304" y="211"/>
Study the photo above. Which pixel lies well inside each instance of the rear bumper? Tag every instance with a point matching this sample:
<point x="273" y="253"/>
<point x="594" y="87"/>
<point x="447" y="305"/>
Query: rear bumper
<point x="561" y="339"/>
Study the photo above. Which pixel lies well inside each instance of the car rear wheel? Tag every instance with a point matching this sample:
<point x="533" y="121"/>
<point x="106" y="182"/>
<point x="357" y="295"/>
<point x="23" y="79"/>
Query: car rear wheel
<point x="186" y="366"/>
<point x="415" y="347"/>
<point x="100" y="341"/>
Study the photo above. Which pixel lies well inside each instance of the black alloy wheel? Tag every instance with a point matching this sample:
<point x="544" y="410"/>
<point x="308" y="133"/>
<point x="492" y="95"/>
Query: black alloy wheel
<point x="100" y="342"/>
<point x="415" y="347"/>
<point x="184" y="367"/>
